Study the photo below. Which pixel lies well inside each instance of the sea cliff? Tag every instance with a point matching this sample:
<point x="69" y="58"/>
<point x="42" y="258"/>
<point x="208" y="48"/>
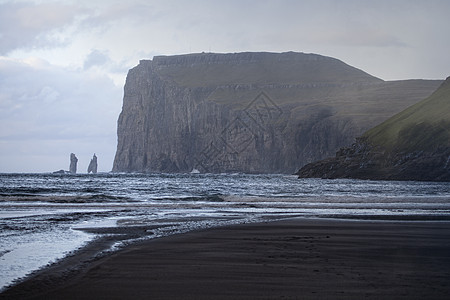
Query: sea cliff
<point x="249" y="112"/>
<point x="412" y="145"/>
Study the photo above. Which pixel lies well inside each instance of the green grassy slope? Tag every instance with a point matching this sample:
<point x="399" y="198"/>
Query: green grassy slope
<point x="423" y="126"/>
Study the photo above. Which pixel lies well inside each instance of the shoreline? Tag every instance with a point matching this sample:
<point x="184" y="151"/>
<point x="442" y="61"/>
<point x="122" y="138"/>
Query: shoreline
<point x="296" y="257"/>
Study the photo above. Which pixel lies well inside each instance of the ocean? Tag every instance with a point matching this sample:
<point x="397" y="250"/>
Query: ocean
<point x="45" y="217"/>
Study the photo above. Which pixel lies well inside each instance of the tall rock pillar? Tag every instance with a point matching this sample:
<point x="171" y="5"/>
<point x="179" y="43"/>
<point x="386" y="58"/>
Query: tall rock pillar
<point x="93" y="165"/>
<point x="73" y="163"/>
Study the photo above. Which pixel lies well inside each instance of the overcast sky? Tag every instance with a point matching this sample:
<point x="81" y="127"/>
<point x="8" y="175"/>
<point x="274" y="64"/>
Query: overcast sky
<point x="63" y="63"/>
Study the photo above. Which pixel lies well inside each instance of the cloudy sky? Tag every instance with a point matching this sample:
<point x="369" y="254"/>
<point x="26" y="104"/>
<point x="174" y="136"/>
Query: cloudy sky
<point x="63" y="63"/>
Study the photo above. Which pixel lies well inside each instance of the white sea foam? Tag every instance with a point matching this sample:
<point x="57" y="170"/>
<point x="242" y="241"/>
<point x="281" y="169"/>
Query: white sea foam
<point x="26" y="253"/>
<point x="39" y="211"/>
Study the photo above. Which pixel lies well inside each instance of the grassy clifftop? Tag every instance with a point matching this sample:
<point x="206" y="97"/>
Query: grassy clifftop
<point x="412" y="145"/>
<point x="257" y="68"/>
<point x="423" y="126"/>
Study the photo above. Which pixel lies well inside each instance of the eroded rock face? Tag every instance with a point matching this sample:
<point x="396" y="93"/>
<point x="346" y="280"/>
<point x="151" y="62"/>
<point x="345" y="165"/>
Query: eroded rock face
<point x="93" y="165"/>
<point x="249" y="112"/>
<point x="365" y="161"/>
<point x="73" y="163"/>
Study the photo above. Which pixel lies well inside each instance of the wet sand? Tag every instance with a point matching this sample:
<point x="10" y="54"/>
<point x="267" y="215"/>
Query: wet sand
<point x="290" y="259"/>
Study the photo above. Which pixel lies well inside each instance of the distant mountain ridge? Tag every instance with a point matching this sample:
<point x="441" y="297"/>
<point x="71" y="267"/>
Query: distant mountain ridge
<point x="252" y="112"/>
<point x="412" y="145"/>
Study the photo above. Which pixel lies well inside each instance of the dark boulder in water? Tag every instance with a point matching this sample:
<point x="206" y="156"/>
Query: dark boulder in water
<point x="61" y="172"/>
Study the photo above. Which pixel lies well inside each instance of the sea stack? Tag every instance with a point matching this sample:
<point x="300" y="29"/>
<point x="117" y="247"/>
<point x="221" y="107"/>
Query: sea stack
<point x="93" y="165"/>
<point x="73" y="163"/>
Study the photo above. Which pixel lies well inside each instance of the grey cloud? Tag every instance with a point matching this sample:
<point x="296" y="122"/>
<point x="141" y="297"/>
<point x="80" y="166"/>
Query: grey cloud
<point x="43" y="105"/>
<point x="25" y="25"/>
<point x="115" y="12"/>
<point x="51" y="101"/>
<point x="96" y="58"/>
<point x="46" y="109"/>
<point x="102" y="60"/>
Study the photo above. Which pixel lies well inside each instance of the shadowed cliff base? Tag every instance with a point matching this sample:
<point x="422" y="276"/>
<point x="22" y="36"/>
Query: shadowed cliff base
<point x="412" y="145"/>
<point x="249" y="112"/>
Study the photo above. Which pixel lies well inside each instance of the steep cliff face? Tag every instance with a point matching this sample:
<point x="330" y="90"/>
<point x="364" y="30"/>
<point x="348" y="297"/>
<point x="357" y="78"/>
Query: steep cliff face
<point x="412" y="145"/>
<point x="249" y="112"/>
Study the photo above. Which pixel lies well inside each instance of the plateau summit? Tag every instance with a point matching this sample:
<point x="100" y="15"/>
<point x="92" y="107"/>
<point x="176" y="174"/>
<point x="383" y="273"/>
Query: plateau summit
<point x="252" y="112"/>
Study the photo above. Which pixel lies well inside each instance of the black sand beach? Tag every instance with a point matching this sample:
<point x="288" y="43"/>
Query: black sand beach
<point x="290" y="259"/>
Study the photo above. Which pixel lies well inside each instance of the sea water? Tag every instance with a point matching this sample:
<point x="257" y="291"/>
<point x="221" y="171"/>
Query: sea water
<point x="42" y="216"/>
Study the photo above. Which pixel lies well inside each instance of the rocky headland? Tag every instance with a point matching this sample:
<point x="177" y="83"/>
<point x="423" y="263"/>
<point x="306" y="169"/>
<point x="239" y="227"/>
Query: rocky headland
<point x="412" y="145"/>
<point x="250" y="112"/>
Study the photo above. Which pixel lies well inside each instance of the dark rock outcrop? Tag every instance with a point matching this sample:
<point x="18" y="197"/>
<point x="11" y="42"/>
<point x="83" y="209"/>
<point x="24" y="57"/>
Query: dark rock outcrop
<point x="93" y="165"/>
<point x="61" y="172"/>
<point x="365" y="161"/>
<point x="249" y="112"/>
<point x="412" y="145"/>
<point x="73" y="163"/>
